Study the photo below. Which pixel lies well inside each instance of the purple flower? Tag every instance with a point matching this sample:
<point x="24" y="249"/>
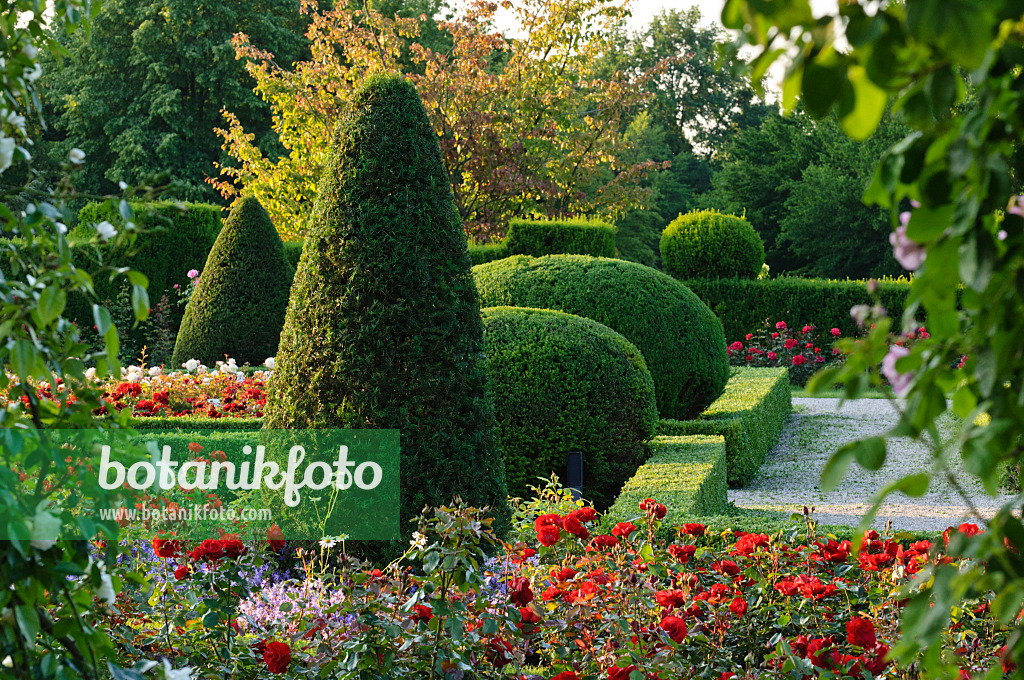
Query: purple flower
<point x="909" y="254"/>
<point x="193" y="273"/>
<point x="900" y="381"/>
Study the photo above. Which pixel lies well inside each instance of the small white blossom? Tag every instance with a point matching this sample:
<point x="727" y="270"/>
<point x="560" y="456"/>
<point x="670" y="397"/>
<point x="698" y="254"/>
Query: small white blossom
<point x="61" y="228"/>
<point x="6" y="151"/>
<point x="122" y="185"/>
<point x="419" y="541"/>
<point x="106" y="592"/>
<point x="327" y="543"/>
<point x="7" y="662"/>
<point x="106" y="230"/>
<point x="90" y="373"/>
<point x="269" y="363"/>
<point x="171" y="673"/>
<point x="76" y="156"/>
<point x="30" y="50"/>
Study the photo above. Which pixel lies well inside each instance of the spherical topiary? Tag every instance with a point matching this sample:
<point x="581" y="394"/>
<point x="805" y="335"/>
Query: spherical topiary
<point x="709" y="244"/>
<point x="237" y="308"/>
<point x="383" y="327"/>
<point x="563" y="383"/>
<point x="681" y="340"/>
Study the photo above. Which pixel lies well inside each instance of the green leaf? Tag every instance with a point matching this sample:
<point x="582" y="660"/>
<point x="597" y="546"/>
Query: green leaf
<point x="964" y="401"/>
<point x="28" y="621"/>
<point x="211" y="619"/>
<point x="140" y="302"/>
<point x="51" y="304"/>
<point x="870" y="452"/>
<point x="927" y="224"/>
<point x="822" y="86"/>
<point x="835" y="468"/>
<point x="869" y="105"/>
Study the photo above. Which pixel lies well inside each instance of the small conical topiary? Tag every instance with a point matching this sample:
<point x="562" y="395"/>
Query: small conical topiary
<point x="238" y="306"/>
<point x="383" y="327"/>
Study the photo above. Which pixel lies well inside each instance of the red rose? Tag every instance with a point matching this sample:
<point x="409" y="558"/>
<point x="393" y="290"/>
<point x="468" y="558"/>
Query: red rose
<point x="275" y="538"/>
<point x="790" y="343"/>
<point x="620" y="673"/>
<point x="549" y="520"/>
<point x="195" y="448"/>
<point x="623" y="529"/>
<point x="738" y="607"/>
<point x="165" y="548"/>
<point x="548" y="535"/>
<point x="566" y="675"/>
<point x="727" y="567"/>
<point x="799" y="360"/>
<point x="571" y="524"/>
<point x="528" y="616"/>
<point x="209" y="550"/>
<point x="602" y="542"/>
<point x="836" y="332"/>
<point x="233" y="548"/>
<point x="499" y="652"/>
<point x="675" y="627"/>
<point x="422" y="613"/>
<point x="277" y="656"/>
<point x="653" y="508"/>
<point x="736" y="346"/>
<point x="694" y="530"/>
<point x="585" y="514"/>
<point x="860" y="632"/>
<point x="519" y="592"/>
<point x="682" y="553"/>
<point x="670" y="598"/>
<point x="181" y="573"/>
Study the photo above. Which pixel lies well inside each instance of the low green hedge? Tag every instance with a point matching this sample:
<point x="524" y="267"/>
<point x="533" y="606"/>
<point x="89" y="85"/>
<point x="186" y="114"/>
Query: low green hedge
<point x="196" y="424"/>
<point x="743" y="305"/>
<point x="487" y="252"/>
<point x="686" y="474"/>
<point x="557" y="237"/>
<point x="750" y="414"/>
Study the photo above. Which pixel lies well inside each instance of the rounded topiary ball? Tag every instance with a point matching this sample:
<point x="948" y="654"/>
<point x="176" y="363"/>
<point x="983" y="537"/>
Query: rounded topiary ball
<point x="680" y="338"/>
<point x="562" y="383"/>
<point x="709" y="244"/>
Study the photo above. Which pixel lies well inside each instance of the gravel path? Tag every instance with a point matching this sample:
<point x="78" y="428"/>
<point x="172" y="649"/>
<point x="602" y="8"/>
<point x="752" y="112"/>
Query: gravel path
<point x="791" y="474"/>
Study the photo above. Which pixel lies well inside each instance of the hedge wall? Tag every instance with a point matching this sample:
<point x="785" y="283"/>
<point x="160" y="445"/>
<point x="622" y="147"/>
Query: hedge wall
<point x="488" y="252"/>
<point x="744" y="305"/>
<point x="194" y="424"/>
<point x="563" y="383"/>
<point x="555" y="237"/>
<point x="680" y="338"/>
<point x="750" y="414"/>
<point x="686" y="474"/>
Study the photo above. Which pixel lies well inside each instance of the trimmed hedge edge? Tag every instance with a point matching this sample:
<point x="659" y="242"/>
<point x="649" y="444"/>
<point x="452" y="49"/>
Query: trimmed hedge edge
<point x="750" y="415"/>
<point x="687" y="474"/>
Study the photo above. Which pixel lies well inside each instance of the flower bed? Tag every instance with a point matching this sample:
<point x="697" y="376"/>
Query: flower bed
<point x="562" y="605"/>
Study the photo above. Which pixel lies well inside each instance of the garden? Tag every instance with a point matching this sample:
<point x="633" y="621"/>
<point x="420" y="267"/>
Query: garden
<point x="372" y="341"/>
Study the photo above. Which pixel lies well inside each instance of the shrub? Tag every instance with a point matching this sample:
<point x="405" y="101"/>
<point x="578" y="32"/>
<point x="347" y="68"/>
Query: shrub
<point x="563" y="383"/>
<point x="488" y="252"/>
<point x="744" y="305"/>
<point x="687" y="474"/>
<point x="706" y="243"/>
<point x="750" y="415"/>
<point x="681" y="340"/>
<point x="553" y="237"/>
<point x="383" y="327"/>
<point x="177" y="240"/>
<point x="293" y="251"/>
<point x="237" y="308"/>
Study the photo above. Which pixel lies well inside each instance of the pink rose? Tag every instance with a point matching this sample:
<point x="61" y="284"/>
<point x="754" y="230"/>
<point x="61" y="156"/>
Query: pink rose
<point x="909" y="254"/>
<point x="900" y="381"/>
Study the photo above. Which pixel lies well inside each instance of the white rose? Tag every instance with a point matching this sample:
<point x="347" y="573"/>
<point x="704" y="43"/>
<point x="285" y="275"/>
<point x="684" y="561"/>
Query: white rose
<point x="106" y="230"/>
<point x="106" y="592"/>
<point x="61" y="228"/>
<point x="154" y="371"/>
<point x="30" y="50"/>
<point x="8" y="662"/>
<point x="269" y="363"/>
<point x="171" y="673"/>
<point x="6" y="152"/>
<point x="90" y="374"/>
<point x="203" y="368"/>
<point x="76" y="156"/>
<point x="190" y="365"/>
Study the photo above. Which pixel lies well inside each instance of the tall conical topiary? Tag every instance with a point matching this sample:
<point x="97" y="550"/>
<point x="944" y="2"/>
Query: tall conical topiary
<point x="383" y="328"/>
<point x="238" y="306"/>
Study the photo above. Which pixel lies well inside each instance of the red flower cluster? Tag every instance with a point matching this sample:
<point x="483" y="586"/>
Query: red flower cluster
<point x="549" y="527"/>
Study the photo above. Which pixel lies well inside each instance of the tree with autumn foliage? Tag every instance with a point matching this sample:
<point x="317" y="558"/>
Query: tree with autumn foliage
<point x="526" y="126"/>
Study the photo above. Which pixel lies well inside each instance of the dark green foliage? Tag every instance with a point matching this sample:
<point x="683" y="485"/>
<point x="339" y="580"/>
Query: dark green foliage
<point x="293" y="251"/>
<point x="710" y="244"/>
<point x="552" y="237"/>
<point x="176" y="241"/>
<point x="488" y="252"/>
<point x="681" y="340"/>
<point x="237" y="308"/>
<point x="563" y="383"/>
<point x="801" y="183"/>
<point x="383" y="326"/>
<point x="144" y="89"/>
<point x="750" y="415"/>
<point x="744" y="305"/>
<point x="685" y="474"/>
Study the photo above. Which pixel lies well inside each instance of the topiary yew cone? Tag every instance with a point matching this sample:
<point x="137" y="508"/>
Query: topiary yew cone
<point x="238" y="306"/>
<point x="383" y="328"/>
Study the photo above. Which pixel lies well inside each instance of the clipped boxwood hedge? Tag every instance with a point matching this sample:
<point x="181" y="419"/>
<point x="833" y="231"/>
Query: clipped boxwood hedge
<point x="237" y="308"/>
<point x="744" y="305"/>
<point x="293" y="251"/>
<point x="576" y="236"/>
<point x="383" y="327"/>
<point x="686" y="474"/>
<point x="176" y="241"/>
<point x="487" y="252"/>
<point x="707" y="243"/>
<point x="562" y="383"/>
<point x="681" y="340"/>
<point x="750" y="414"/>
<point x="193" y="424"/>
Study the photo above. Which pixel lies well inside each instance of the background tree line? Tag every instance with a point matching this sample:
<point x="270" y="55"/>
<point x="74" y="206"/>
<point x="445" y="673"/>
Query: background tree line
<point x="148" y="88"/>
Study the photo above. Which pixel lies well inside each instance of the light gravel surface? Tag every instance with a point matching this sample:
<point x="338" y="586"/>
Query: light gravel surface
<point x="790" y="477"/>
